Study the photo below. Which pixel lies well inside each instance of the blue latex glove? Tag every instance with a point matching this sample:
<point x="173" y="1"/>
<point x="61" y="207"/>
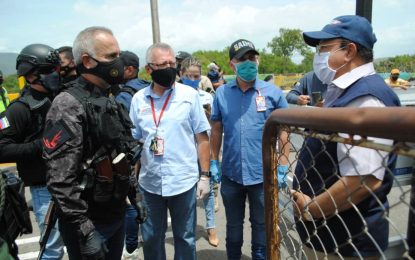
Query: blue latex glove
<point x="282" y="176"/>
<point x="215" y="171"/>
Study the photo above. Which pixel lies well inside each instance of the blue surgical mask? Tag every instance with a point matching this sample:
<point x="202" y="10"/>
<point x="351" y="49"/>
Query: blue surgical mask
<point x="247" y="70"/>
<point x="192" y="83"/>
<point x="322" y="69"/>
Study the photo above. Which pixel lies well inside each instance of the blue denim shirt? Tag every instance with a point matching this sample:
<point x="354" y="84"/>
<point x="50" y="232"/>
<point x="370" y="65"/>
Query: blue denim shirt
<point x="242" y="126"/>
<point x="176" y="171"/>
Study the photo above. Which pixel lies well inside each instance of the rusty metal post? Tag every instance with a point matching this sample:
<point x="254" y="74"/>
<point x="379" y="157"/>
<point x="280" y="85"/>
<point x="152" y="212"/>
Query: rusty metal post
<point x="269" y="142"/>
<point x="411" y="220"/>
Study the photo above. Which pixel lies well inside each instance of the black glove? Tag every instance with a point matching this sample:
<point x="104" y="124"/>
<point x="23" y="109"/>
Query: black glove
<point x="93" y="246"/>
<point x="38" y="143"/>
<point x="141" y="209"/>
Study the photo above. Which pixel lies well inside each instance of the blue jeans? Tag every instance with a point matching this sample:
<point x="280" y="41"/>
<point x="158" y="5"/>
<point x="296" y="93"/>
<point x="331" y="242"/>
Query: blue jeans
<point x="209" y="203"/>
<point x="182" y="208"/>
<point x="41" y="198"/>
<point x="113" y="234"/>
<point x="131" y="229"/>
<point x="234" y="197"/>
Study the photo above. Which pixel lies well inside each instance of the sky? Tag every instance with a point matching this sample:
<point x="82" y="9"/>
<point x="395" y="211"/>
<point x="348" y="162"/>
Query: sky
<point x="191" y="25"/>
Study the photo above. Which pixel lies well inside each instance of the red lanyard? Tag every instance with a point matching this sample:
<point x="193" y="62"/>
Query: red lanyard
<point x="162" y="110"/>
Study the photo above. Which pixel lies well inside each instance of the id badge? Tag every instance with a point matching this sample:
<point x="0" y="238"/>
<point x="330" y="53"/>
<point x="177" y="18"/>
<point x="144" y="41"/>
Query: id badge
<point x="157" y="145"/>
<point x="261" y="105"/>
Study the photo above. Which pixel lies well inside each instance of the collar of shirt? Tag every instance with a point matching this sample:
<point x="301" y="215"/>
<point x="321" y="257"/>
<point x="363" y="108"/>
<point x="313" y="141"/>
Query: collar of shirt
<point x="350" y="77"/>
<point x="148" y="92"/>
<point x="234" y="84"/>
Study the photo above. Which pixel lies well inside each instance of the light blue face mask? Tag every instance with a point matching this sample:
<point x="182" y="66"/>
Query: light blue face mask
<point x="192" y="83"/>
<point x="247" y="70"/>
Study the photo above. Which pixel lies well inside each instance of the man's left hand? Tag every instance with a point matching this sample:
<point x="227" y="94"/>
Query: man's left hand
<point x="203" y="187"/>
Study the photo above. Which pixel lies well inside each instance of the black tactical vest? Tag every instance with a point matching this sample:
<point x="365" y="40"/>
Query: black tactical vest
<point x="38" y="110"/>
<point x="108" y="126"/>
<point x="33" y="169"/>
<point x="108" y="122"/>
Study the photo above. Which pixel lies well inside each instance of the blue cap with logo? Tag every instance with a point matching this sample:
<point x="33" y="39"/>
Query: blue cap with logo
<point x="351" y="27"/>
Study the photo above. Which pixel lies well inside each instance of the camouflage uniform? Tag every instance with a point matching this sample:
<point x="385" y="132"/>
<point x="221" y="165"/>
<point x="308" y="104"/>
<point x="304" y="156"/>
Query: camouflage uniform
<point x="69" y="144"/>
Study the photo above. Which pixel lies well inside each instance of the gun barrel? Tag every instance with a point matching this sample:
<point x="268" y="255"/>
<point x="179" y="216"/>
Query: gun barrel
<point x="135" y="154"/>
<point x="50" y="220"/>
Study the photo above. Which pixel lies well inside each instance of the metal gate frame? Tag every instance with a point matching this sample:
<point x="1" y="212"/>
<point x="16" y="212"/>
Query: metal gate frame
<point x="396" y="123"/>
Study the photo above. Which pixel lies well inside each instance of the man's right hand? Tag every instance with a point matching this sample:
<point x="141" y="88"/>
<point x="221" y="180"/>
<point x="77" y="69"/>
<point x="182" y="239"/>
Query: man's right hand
<point x="93" y="246"/>
<point x="215" y="171"/>
<point x="141" y="212"/>
<point x="303" y="100"/>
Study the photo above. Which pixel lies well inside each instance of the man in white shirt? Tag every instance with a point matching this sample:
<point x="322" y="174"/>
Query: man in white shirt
<point x="353" y="225"/>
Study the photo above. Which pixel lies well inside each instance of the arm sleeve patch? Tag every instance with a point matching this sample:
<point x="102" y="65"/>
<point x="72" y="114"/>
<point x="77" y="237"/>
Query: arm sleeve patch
<point x="4" y="123"/>
<point x="56" y="136"/>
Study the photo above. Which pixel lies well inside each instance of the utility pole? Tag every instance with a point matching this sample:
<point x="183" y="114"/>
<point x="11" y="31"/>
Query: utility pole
<point x="364" y="8"/>
<point x="155" y="21"/>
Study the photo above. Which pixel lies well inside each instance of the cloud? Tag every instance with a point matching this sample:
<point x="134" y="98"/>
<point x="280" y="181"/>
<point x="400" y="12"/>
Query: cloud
<point x="198" y="24"/>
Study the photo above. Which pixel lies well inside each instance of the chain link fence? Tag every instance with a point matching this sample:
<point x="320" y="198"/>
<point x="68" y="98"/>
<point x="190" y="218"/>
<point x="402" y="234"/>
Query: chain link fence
<point x="351" y="183"/>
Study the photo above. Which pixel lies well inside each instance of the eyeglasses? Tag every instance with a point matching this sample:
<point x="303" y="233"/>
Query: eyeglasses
<point x="321" y="48"/>
<point x="163" y="65"/>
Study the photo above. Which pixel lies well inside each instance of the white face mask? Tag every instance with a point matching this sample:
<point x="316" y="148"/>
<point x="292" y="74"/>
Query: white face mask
<point x="322" y="69"/>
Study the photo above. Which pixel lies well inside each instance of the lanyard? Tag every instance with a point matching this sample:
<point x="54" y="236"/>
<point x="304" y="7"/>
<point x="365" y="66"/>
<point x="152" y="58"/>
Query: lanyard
<point x="157" y="123"/>
<point x="259" y="93"/>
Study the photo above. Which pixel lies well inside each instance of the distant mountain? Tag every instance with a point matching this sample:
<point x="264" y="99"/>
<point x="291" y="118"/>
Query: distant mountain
<point x="8" y="63"/>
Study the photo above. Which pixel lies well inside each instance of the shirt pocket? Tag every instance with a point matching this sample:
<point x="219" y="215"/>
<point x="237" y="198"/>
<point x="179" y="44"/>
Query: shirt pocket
<point x="179" y="111"/>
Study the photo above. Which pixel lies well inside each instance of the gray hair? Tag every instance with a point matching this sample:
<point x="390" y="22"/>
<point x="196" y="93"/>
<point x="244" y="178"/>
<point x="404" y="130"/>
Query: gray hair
<point x="189" y="62"/>
<point x="159" y="45"/>
<point x="85" y="42"/>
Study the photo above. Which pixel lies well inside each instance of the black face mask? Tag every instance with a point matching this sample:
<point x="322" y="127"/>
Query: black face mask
<point x="395" y="77"/>
<point x="1" y="81"/>
<point x="164" y="77"/>
<point x="65" y="70"/>
<point x="51" y="82"/>
<point x="112" y="72"/>
<point x="115" y="89"/>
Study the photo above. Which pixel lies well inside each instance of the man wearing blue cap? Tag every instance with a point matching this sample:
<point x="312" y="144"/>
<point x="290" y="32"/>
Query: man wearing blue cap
<point x="342" y="193"/>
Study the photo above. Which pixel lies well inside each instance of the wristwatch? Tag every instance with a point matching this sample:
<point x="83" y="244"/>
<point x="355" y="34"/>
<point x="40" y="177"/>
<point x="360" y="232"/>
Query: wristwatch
<point x="204" y="173"/>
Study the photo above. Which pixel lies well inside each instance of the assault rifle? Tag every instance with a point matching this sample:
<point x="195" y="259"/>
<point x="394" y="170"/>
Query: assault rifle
<point x="50" y="221"/>
<point x="135" y="153"/>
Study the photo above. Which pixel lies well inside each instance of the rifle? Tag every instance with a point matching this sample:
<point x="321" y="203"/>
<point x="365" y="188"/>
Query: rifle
<point x="135" y="153"/>
<point x="50" y="221"/>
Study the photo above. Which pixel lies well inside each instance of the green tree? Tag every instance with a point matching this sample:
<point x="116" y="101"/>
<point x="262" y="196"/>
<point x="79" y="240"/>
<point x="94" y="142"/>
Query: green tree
<point x="11" y="84"/>
<point x="271" y="63"/>
<point x="307" y="62"/>
<point x="288" y="43"/>
<point x="402" y="62"/>
<point x="220" y="57"/>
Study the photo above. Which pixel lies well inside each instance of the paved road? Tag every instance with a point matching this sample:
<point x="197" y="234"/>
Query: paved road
<point x="29" y="247"/>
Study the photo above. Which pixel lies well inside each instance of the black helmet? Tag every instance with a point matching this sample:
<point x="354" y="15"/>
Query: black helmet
<point x="181" y="55"/>
<point x="40" y="57"/>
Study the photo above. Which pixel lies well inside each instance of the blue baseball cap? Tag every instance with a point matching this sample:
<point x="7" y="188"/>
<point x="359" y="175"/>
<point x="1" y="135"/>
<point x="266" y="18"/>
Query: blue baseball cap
<point x="351" y="27"/>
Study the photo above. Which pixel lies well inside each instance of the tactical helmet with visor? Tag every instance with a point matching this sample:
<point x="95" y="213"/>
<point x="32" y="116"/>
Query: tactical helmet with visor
<point x="37" y="59"/>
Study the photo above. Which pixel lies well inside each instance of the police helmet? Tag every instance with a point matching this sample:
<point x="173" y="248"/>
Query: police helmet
<point x="181" y="55"/>
<point x="38" y="58"/>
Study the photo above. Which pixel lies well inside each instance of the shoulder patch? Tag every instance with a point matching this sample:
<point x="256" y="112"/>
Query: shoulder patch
<point x="4" y="123"/>
<point x="56" y="136"/>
